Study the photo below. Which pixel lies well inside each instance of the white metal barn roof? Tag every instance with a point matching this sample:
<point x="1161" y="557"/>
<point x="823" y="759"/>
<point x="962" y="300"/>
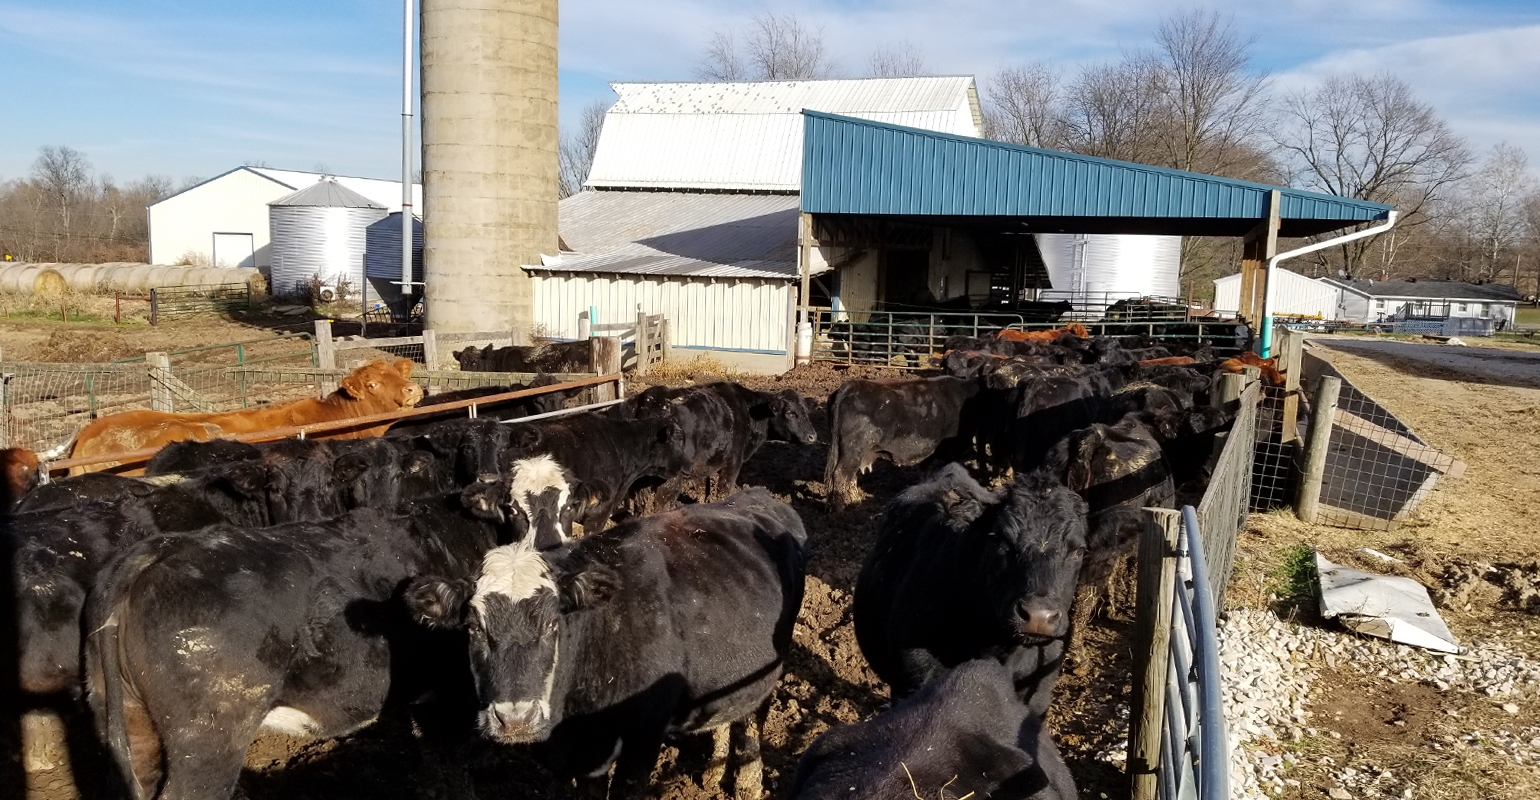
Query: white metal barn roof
<point x="748" y="136"/>
<point x="678" y="233"/>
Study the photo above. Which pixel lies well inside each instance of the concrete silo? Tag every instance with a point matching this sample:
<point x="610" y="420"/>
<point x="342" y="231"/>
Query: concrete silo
<point x="489" y="158"/>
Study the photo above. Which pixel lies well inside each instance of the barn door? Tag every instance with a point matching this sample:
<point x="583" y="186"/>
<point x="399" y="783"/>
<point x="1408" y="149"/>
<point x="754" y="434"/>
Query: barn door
<point x="234" y="250"/>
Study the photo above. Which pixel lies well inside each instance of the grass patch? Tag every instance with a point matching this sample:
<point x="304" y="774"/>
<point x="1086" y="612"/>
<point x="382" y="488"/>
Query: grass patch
<point x="1527" y="315"/>
<point x="1292" y="582"/>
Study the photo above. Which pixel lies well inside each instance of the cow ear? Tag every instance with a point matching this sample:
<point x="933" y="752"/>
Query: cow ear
<point x="248" y="480"/>
<point x="1078" y="476"/>
<point x="352" y="385"/>
<point x="484" y="500"/>
<point x="523" y="437"/>
<point x="762" y="410"/>
<point x="588" y="587"/>
<point x="350" y="467"/>
<point x="416" y="461"/>
<point x="404" y="366"/>
<point x="438" y="603"/>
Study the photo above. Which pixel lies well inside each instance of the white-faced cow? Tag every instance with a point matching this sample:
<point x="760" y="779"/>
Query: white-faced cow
<point x="673" y="623"/>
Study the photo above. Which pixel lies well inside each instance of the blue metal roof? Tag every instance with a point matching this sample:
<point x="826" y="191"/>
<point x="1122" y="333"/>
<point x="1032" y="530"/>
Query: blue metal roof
<point x="856" y="166"/>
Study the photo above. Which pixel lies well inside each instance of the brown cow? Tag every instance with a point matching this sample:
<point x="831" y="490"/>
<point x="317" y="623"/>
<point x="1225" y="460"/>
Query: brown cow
<point x="375" y="388"/>
<point x="1268" y="366"/>
<point x="1042" y="337"/>
<point x="18" y="475"/>
<point x="1168" y="361"/>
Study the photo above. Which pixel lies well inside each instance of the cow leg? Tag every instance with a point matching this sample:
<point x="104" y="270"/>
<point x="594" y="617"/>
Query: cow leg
<point x="749" y="780"/>
<point x="203" y="762"/>
<point x="721" y="750"/>
<point x="633" y="769"/>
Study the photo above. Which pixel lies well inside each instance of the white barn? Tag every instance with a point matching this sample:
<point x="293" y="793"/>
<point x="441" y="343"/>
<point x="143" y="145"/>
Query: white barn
<point x="690" y="208"/>
<point x="223" y="221"/>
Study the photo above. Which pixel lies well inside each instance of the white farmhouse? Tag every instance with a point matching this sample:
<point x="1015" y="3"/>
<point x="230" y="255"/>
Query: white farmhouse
<point x="1378" y="301"/>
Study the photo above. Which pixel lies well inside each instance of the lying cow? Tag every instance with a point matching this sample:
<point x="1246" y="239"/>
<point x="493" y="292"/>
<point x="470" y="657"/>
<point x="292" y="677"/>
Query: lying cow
<point x="673" y="623"/>
<point x="906" y="420"/>
<point x="721" y="426"/>
<point x="965" y="734"/>
<point x="545" y="357"/>
<point x="958" y="573"/>
<point x="296" y="629"/>
<point x="374" y="388"/>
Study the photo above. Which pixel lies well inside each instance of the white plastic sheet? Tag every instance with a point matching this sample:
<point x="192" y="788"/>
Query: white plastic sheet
<point x="1386" y="606"/>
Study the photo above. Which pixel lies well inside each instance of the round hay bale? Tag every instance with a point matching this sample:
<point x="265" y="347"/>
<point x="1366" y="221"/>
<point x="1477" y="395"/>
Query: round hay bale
<point x="49" y="283"/>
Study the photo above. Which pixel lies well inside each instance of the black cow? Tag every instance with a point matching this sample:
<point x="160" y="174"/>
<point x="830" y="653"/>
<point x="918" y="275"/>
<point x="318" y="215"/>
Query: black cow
<point x="1119" y="469"/>
<point x="906" y="420"/>
<point x="677" y="622"/>
<point x="721" y="426"/>
<point x="191" y="456"/>
<point x="882" y="338"/>
<point x="199" y="642"/>
<point x="545" y="357"/>
<point x="959" y="573"/>
<point x="1050" y="407"/>
<point x="965" y="734"/>
<point x="580" y="469"/>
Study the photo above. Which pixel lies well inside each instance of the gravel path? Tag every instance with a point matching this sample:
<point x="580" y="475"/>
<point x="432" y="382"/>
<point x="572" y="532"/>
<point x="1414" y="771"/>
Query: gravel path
<point x="1474" y="363"/>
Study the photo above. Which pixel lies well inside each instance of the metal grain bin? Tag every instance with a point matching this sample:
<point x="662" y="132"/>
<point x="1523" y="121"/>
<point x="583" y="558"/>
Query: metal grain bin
<point x="383" y="257"/>
<point x="320" y="230"/>
<point x="1104" y="268"/>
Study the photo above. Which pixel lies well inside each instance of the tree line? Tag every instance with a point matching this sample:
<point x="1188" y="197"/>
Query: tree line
<point x="64" y="212"/>
<point x="1191" y="99"/>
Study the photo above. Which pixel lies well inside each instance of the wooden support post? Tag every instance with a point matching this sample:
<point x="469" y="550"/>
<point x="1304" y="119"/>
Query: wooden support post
<point x="668" y="340"/>
<point x="430" y="360"/>
<point x="585" y="326"/>
<point x="643" y="342"/>
<point x="604" y="359"/>
<point x="1227" y="391"/>
<point x="1290" y="352"/>
<point x="1152" y="648"/>
<point x="326" y="356"/>
<point x="161" y="396"/>
<point x="1323" y="412"/>
<point x="805" y="261"/>
<point x="1259" y="245"/>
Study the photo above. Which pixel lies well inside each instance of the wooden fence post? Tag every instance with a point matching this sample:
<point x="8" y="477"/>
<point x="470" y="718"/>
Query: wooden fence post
<point x="585" y="326"/>
<point x="1290" y="357"/>
<point x="1152" y="648"/>
<point x="1228" y="391"/>
<point x="1323" y="412"/>
<point x="429" y="349"/>
<point x="161" y="397"/>
<point x="604" y="359"/>
<point x="643" y="342"/>
<point x="326" y="356"/>
<point x="668" y="340"/>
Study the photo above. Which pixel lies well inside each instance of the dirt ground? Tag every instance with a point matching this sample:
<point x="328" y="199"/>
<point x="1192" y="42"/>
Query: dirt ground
<point x="1473" y="542"/>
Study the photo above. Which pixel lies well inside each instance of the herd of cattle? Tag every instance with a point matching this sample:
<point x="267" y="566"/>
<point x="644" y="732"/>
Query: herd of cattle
<point x="489" y="576"/>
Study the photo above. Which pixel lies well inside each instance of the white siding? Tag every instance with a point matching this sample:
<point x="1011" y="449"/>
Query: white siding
<point x="721" y="314"/>
<point x="1293" y="294"/>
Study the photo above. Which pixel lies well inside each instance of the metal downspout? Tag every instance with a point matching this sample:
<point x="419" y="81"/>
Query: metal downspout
<point x="1267" y="293"/>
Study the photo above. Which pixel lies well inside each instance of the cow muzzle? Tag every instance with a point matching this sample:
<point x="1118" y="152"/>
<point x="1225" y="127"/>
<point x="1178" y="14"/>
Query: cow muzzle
<point x="1035" y="619"/>
<point x="519" y="722"/>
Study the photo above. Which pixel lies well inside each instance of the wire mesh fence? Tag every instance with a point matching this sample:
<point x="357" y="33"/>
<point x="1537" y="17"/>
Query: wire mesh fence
<point x="170" y="302"/>
<point x="45" y="404"/>
<point x="1274" y="474"/>
<point x="1228" y="498"/>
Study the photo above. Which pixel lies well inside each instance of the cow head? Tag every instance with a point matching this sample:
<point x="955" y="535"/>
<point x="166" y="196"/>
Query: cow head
<point x="471" y="357"/>
<point x="18" y="475"/>
<point x="1041" y="538"/>
<point x="382" y="386"/>
<point x="513" y="614"/>
<point x="544" y="499"/>
<point x="789" y="418"/>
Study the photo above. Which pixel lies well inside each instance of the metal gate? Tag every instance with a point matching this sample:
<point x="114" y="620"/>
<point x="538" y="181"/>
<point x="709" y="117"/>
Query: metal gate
<point x="900" y="339"/>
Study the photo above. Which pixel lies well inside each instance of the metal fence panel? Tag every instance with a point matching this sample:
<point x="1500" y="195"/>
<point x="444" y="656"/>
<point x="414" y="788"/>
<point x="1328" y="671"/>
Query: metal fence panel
<point x="180" y="301"/>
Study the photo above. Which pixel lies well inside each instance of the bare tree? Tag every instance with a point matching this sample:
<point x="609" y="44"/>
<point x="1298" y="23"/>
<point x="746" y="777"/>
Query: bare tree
<point x="1212" y="101"/>
<point x="576" y="154"/>
<point x="1370" y="138"/>
<point x="1494" y="209"/>
<point x="1022" y="107"/>
<point x="63" y="175"/>
<point x="64" y="213"/>
<point x="899" y="61"/>
<point x="774" y="48"/>
<point x="1115" y="110"/>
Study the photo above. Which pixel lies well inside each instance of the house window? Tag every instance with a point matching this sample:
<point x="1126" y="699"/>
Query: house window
<point x="1486" y="310"/>
<point x="1464" y="307"/>
<point x="1379" y="305"/>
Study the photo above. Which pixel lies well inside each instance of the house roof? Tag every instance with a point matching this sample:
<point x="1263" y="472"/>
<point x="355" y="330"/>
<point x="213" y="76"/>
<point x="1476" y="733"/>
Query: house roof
<point x="747" y="136"/>
<point x="678" y="233"/>
<point x="1434" y="290"/>
<point x="858" y="166"/>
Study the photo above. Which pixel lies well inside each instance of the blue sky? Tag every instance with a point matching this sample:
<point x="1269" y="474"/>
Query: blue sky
<point x="187" y="88"/>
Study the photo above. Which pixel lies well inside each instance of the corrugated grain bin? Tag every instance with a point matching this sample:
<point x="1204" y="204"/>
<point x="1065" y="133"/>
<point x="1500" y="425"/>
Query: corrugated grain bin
<point x="1122" y="264"/>
<point x="320" y="230"/>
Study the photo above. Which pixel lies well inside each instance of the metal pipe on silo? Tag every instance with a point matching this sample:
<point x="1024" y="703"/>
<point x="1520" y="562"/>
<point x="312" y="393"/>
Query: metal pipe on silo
<point x="406" y="151"/>
<point x="489" y="158"/>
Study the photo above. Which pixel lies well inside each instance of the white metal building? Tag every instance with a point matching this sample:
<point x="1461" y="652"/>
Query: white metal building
<point x="223" y="221"/>
<point x="1293" y="295"/>
<point x="691" y="206"/>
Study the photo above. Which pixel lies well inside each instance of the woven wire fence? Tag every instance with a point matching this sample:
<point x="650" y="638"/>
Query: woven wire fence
<point x="1377" y="469"/>
<point x="45" y="404"/>
<point x="1274" y="475"/>
<point x="212" y="379"/>
<point x="1227" y="500"/>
